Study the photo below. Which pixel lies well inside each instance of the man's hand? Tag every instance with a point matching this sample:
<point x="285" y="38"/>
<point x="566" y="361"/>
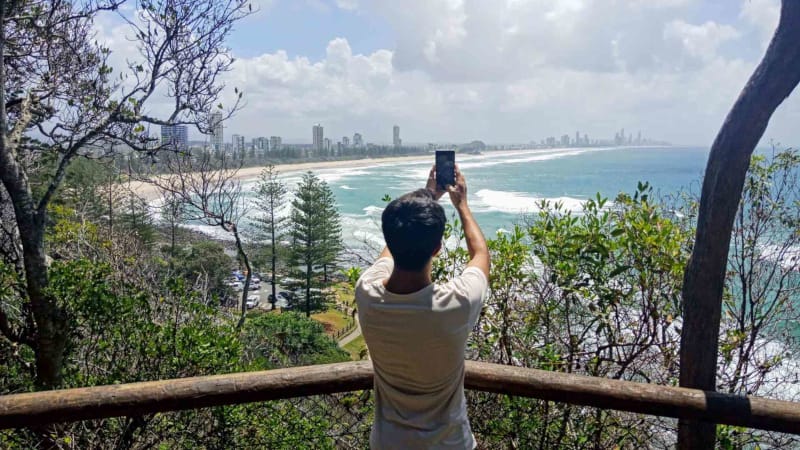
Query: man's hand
<point x="458" y="193"/>
<point x="431" y="184"/>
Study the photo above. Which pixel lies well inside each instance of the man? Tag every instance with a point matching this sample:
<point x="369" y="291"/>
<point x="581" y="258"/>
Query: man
<point x="416" y="331"/>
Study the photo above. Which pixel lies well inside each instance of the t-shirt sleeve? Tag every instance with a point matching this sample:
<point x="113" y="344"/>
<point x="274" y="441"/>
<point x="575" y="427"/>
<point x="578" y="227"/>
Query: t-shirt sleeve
<point x="378" y="271"/>
<point x="472" y="285"/>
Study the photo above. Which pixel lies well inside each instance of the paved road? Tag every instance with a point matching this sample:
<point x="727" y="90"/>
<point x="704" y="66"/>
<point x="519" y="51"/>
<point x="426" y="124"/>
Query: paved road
<point x="352" y="335"/>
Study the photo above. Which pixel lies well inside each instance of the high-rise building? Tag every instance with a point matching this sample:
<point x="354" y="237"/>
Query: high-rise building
<point x="237" y="142"/>
<point x="326" y="144"/>
<point x="261" y="144"/>
<point x="358" y="140"/>
<point x="345" y="141"/>
<point x="275" y="143"/>
<point x="577" y="138"/>
<point x="217" y="141"/>
<point x="176" y="137"/>
<point x="396" y="136"/>
<point x="317" y="137"/>
<point x="565" y="140"/>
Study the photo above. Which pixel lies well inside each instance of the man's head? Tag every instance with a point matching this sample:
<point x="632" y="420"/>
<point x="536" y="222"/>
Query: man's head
<point x="413" y="225"/>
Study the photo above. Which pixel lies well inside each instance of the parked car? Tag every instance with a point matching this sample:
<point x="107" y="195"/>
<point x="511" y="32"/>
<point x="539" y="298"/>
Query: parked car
<point x="252" y="301"/>
<point x="235" y="285"/>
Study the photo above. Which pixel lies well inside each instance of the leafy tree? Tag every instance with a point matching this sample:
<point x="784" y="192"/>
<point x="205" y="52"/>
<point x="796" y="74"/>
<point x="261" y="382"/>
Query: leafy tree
<point x="289" y="339"/>
<point x="760" y="312"/>
<point x="270" y="201"/>
<point x="315" y="231"/>
<point x="331" y="231"/>
<point x="211" y="193"/>
<point x="56" y="81"/>
<point x="205" y="264"/>
<point x="602" y="301"/>
<point x="92" y="188"/>
<point x="173" y="213"/>
<point x="135" y="218"/>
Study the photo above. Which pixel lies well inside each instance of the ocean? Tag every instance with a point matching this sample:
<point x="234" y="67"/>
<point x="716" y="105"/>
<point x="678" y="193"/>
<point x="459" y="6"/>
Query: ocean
<point x="502" y="187"/>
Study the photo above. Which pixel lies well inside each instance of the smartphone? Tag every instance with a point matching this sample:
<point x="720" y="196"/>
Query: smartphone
<point x="445" y="168"/>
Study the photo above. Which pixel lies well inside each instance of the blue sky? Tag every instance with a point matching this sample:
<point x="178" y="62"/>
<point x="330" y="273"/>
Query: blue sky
<point x="500" y="70"/>
<point x="304" y="28"/>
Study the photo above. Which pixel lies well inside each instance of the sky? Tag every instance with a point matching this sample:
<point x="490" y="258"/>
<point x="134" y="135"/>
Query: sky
<point x="502" y="71"/>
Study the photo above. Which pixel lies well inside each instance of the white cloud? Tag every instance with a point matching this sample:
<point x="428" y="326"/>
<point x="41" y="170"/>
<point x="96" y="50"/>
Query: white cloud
<point x="764" y="14"/>
<point x="506" y="39"/>
<point x="700" y="41"/>
<point x="515" y="70"/>
<point x="347" y="4"/>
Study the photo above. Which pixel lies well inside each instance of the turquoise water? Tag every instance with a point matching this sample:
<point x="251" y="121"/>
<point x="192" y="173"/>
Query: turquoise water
<point x="502" y="187"/>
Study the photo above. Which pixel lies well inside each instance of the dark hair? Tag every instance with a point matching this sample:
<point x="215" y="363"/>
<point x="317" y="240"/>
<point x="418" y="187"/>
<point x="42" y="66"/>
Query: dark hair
<point x="413" y="226"/>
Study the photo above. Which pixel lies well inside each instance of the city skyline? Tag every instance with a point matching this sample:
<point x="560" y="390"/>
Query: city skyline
<point x="319" y="141"/>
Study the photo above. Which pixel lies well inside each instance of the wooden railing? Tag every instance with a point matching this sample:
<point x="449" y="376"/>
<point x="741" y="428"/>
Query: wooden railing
<point x="38" y="408"/>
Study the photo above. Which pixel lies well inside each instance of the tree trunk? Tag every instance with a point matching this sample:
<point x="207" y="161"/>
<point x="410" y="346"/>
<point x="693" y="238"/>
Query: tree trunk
<point x="247" y="278"/>
<point x="308" y="289"/>
<point x="50" y="336"/>
<point x="773" y="81"/>
<point x="274" y="253"/>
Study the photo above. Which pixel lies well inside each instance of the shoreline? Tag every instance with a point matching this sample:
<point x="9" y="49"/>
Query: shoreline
<point x="149" y="192"/>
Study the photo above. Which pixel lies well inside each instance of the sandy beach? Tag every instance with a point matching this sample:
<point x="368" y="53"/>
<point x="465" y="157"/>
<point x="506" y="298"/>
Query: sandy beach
<point x="150" y="192"/>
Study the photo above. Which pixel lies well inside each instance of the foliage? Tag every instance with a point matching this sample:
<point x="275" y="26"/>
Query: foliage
<point x="352" y="274"/>
<point x="288" y="339"/>
<point x="760" y="310"/>
<point x="315" y="235"/>
<point x="57" y="84"/>
<point x="596" y="293"/>
<point x="270" y="224"/>
<point x="205" y="262"/>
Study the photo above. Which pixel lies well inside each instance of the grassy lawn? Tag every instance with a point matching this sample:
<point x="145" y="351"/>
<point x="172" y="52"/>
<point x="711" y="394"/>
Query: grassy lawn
<point x="355" y="347"/>
<point x="333" y="320"/>
<point x="344" y="293"/>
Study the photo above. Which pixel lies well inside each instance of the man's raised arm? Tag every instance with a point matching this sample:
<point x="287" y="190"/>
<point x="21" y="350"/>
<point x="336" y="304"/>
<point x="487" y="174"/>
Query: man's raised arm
<point x="476" y="243"/>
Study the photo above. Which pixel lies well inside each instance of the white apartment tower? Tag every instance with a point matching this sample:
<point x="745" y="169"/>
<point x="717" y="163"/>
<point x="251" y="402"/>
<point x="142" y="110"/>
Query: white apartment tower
<point x="317" y="137"/>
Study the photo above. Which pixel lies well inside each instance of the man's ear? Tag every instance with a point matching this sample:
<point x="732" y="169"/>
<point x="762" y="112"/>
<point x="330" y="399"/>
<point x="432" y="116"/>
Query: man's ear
<point x="437" y="249"/>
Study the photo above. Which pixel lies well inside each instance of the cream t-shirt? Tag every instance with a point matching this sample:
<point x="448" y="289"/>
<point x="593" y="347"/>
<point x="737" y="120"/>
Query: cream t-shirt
<point x="416" y="342"/>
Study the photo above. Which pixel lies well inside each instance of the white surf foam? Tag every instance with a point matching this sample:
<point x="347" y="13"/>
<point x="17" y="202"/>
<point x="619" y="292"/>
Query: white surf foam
<point x="331" y="176"/>
<point x="520" y="202"/>
<point x="210" y="230"/>
<point x="373" y="210"/>
<point x="788" y="257"/>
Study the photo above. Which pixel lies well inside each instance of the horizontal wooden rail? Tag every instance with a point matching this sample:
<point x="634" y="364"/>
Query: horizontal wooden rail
<point x="37" y="408"/>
